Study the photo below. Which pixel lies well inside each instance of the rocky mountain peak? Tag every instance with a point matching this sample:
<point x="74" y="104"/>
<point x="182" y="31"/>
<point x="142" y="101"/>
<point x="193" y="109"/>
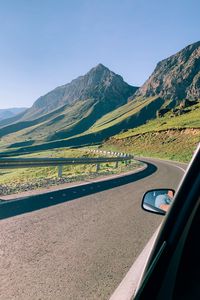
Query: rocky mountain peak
<point x="99" y="84"/>
<point x="96" y="76"/>
<point x="101" y="75"/>
<point x="99" y="67"/>
<point x="176" y="77"/>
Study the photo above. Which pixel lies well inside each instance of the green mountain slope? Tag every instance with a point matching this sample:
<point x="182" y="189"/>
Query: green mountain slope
<point x="38" y="131"/>
<point x="168" y="137"/>
<point x="127" y="116"/>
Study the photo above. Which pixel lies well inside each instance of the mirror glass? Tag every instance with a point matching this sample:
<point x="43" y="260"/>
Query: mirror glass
<point x="158" y="201"/>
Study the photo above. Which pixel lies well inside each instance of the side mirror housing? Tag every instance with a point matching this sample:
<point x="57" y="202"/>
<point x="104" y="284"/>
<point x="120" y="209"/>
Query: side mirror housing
<point x="158" y="201"/>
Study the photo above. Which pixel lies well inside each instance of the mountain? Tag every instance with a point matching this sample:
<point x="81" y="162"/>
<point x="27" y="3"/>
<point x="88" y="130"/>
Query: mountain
<point x="176" y="77"/>
<point x="99" y="84"/>
<point x="70" y="109"/>
<point x="10" y="112"/>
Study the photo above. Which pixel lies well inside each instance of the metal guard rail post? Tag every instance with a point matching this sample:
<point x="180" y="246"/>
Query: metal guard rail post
<point x="11" y="163"/>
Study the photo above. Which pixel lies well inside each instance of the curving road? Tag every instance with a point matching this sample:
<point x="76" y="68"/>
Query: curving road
<point x="79" y="249"/>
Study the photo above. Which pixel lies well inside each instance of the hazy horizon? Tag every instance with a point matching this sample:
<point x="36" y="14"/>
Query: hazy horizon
<point x="48" y="44"/>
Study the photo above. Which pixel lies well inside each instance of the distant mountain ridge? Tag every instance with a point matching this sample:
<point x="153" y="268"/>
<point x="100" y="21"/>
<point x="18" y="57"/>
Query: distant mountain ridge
<point x="10" y="112"/>
<point x="176" y="77"/>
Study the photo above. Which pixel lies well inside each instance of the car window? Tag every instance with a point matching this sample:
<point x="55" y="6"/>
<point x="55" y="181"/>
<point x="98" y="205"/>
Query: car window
<point x="99" y="106"/>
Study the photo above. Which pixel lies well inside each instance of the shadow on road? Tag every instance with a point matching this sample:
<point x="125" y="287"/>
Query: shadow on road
<point x="28" y="204"/>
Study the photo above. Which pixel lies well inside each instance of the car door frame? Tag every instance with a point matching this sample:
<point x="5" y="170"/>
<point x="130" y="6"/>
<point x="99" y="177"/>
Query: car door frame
<point x="169" y="237"/>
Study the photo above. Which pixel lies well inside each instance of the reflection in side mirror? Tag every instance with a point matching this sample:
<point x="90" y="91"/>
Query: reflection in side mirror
<point x="158" y="201"/>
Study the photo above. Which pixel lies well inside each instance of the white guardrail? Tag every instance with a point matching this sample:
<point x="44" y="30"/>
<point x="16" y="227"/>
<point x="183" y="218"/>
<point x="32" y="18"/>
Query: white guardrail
<point x="11" y="163"/>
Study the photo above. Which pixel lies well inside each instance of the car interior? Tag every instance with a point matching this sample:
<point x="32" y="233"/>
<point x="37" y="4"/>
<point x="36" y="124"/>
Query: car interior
<point x="181" y="280"/>
<point x="173" y="272"/>
<point x="187" y="285"/>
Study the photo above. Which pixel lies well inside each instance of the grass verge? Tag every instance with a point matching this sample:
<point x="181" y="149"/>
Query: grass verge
<point x="20" y="180"/>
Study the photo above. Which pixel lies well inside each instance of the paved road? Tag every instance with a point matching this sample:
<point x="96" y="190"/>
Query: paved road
<point x="79" y="249"/>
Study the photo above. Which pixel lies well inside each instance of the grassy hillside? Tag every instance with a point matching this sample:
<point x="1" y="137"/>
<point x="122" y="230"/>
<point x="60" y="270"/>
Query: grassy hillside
<point x="89" y="132"/>
<point x="75" y="125"/>
<point x="167" y="137"/>
<point x="152" y="138"/>
<point x="190" y="119"/>
<point x="39" y="130"/>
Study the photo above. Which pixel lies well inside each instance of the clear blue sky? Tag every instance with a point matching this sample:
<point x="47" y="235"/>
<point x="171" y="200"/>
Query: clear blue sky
<point x="47" y="43"/>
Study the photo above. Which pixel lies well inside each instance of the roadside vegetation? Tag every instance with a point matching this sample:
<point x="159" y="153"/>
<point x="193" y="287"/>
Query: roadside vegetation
<point x="25" y="179"/>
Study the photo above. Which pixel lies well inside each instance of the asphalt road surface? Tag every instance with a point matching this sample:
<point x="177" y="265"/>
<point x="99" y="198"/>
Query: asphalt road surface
<point x="79" y="249"/>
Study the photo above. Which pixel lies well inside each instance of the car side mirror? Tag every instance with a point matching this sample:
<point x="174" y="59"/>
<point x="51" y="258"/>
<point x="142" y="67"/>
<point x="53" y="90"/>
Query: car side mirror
<point x="158" y="201"/>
